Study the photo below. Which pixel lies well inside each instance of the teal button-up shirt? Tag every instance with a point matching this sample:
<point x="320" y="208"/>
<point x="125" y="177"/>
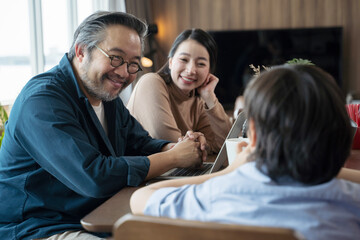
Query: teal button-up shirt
<point x="56" y="162"/>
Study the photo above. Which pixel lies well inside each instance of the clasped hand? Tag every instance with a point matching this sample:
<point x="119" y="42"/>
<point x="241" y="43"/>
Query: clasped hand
<point x="199" y="138"/>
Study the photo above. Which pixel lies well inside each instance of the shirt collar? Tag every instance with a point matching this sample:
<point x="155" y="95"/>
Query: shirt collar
<point x="68" y="71"/>
<point x="251" y="171"/>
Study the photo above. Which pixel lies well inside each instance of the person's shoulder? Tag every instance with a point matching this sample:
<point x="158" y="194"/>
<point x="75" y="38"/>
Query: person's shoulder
<point x="43" y="84"/>
<point x="151" y="77"/>
<point x="347" y="186"/>
<point x="151" y="80"/>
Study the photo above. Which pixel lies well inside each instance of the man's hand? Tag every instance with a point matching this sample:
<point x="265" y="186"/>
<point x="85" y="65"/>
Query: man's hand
<point x="168" y="147"/>
<point x="187" y="153"/>
<point x="198" y="137"/>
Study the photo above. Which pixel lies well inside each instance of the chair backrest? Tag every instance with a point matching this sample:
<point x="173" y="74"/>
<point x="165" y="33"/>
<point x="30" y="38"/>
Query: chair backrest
<point x="147" y="228"/>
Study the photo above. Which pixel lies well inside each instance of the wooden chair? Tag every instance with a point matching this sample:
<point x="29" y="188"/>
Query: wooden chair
<point x="135" y="227"/>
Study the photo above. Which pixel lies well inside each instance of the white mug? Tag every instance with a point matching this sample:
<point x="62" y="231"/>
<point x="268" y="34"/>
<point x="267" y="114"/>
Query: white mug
<point x="231" y="147"/>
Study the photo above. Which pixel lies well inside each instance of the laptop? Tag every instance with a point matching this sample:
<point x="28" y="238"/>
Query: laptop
<point x="209" y="167"/>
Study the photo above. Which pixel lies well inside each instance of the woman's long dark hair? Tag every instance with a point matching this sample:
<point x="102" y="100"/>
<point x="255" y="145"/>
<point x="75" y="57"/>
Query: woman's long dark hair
<point x="202" y="38"/>
<point x="303" y="131"/>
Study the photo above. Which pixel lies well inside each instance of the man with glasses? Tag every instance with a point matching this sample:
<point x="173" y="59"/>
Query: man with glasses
<point x="70" y="143"/>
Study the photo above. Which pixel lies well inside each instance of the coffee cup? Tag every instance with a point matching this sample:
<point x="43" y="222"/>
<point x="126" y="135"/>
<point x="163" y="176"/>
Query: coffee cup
<point x="232" y="146"/>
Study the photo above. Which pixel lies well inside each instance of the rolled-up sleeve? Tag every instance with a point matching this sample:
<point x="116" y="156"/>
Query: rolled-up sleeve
<point x="49" y="131"/>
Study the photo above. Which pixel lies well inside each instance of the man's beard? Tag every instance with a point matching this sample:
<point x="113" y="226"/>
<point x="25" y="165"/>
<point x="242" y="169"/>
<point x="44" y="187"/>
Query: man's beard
<point x="96" y="88"/>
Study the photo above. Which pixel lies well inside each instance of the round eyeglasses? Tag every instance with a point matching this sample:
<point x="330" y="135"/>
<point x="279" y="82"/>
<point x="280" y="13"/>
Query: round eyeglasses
<point x="117" y="61"/>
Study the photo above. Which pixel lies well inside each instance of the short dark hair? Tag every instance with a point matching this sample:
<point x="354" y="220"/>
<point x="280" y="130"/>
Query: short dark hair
<point x="302" y="127"/>
<point x="91" y="31"/>
<point x="199" y="35"/>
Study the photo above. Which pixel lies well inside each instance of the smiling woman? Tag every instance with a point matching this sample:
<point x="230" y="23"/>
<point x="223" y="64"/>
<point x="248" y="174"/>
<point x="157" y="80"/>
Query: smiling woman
<point x="190" y="68"/>
<point x="180" y="96"/>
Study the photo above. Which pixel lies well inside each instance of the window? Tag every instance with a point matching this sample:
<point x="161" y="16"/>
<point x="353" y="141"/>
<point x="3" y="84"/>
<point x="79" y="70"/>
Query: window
<point x="15" y="67"/>
<point x="55" y="31"/>
<point x="35" y="36"/>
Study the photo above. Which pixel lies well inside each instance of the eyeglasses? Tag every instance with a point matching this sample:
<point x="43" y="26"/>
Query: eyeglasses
<point x="117" y="61"/>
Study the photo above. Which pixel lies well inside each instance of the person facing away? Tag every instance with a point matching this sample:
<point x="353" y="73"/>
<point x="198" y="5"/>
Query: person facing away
<point x="180" y="96"/>
<point x="300" y="137"/>
<point x="70" y="143"/>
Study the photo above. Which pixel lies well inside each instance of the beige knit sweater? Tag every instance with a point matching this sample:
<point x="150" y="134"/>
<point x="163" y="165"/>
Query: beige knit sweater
<point x="167" y="113"/>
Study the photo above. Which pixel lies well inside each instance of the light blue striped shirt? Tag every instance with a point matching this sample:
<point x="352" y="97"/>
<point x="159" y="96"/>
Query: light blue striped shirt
<point x="247" y="196"/>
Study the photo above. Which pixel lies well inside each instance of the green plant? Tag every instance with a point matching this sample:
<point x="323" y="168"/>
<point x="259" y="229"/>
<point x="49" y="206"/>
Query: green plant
<point x="3" y="119"/>
<point x="294" y="61"/>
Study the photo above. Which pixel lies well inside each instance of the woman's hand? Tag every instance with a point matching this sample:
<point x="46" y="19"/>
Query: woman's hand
<point x="198" y="137"/>
<point x="207" y="90"/>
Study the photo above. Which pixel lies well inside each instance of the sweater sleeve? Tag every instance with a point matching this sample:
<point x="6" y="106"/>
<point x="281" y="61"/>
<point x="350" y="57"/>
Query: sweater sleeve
<point x="215" y="124"/>
<point x="150" y="105"/>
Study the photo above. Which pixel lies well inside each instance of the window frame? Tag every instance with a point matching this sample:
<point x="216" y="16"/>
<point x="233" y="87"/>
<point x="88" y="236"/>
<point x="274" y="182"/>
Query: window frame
<point x="37" y="58"/>
<point x="37" y="53"/>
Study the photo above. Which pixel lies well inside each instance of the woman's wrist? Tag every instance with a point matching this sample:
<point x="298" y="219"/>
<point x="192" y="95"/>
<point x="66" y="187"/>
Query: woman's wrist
<point x="167" y="147"/>
<point x="210" y="100"/>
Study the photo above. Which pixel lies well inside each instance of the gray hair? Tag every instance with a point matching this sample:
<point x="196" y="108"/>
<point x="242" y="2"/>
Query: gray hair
<point x="92" y="30"/>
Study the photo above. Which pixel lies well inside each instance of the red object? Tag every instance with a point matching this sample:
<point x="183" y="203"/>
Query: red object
<point x="353" y="111"/>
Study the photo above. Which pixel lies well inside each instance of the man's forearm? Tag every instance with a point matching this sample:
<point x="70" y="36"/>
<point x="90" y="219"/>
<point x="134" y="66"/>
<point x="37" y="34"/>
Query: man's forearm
<point x="160" y="163"/>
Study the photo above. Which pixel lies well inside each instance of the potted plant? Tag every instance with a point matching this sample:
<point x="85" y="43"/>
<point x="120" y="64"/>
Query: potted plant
<point x="293" y="61"/>
<point x="3" y="119"/>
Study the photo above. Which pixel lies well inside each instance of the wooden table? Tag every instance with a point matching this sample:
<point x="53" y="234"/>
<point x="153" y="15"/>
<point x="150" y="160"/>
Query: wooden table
<point x="103" y="217"/>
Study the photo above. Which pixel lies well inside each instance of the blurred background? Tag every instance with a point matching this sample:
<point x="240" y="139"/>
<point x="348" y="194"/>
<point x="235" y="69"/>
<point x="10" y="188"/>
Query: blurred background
<point x="36" y="33"/>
